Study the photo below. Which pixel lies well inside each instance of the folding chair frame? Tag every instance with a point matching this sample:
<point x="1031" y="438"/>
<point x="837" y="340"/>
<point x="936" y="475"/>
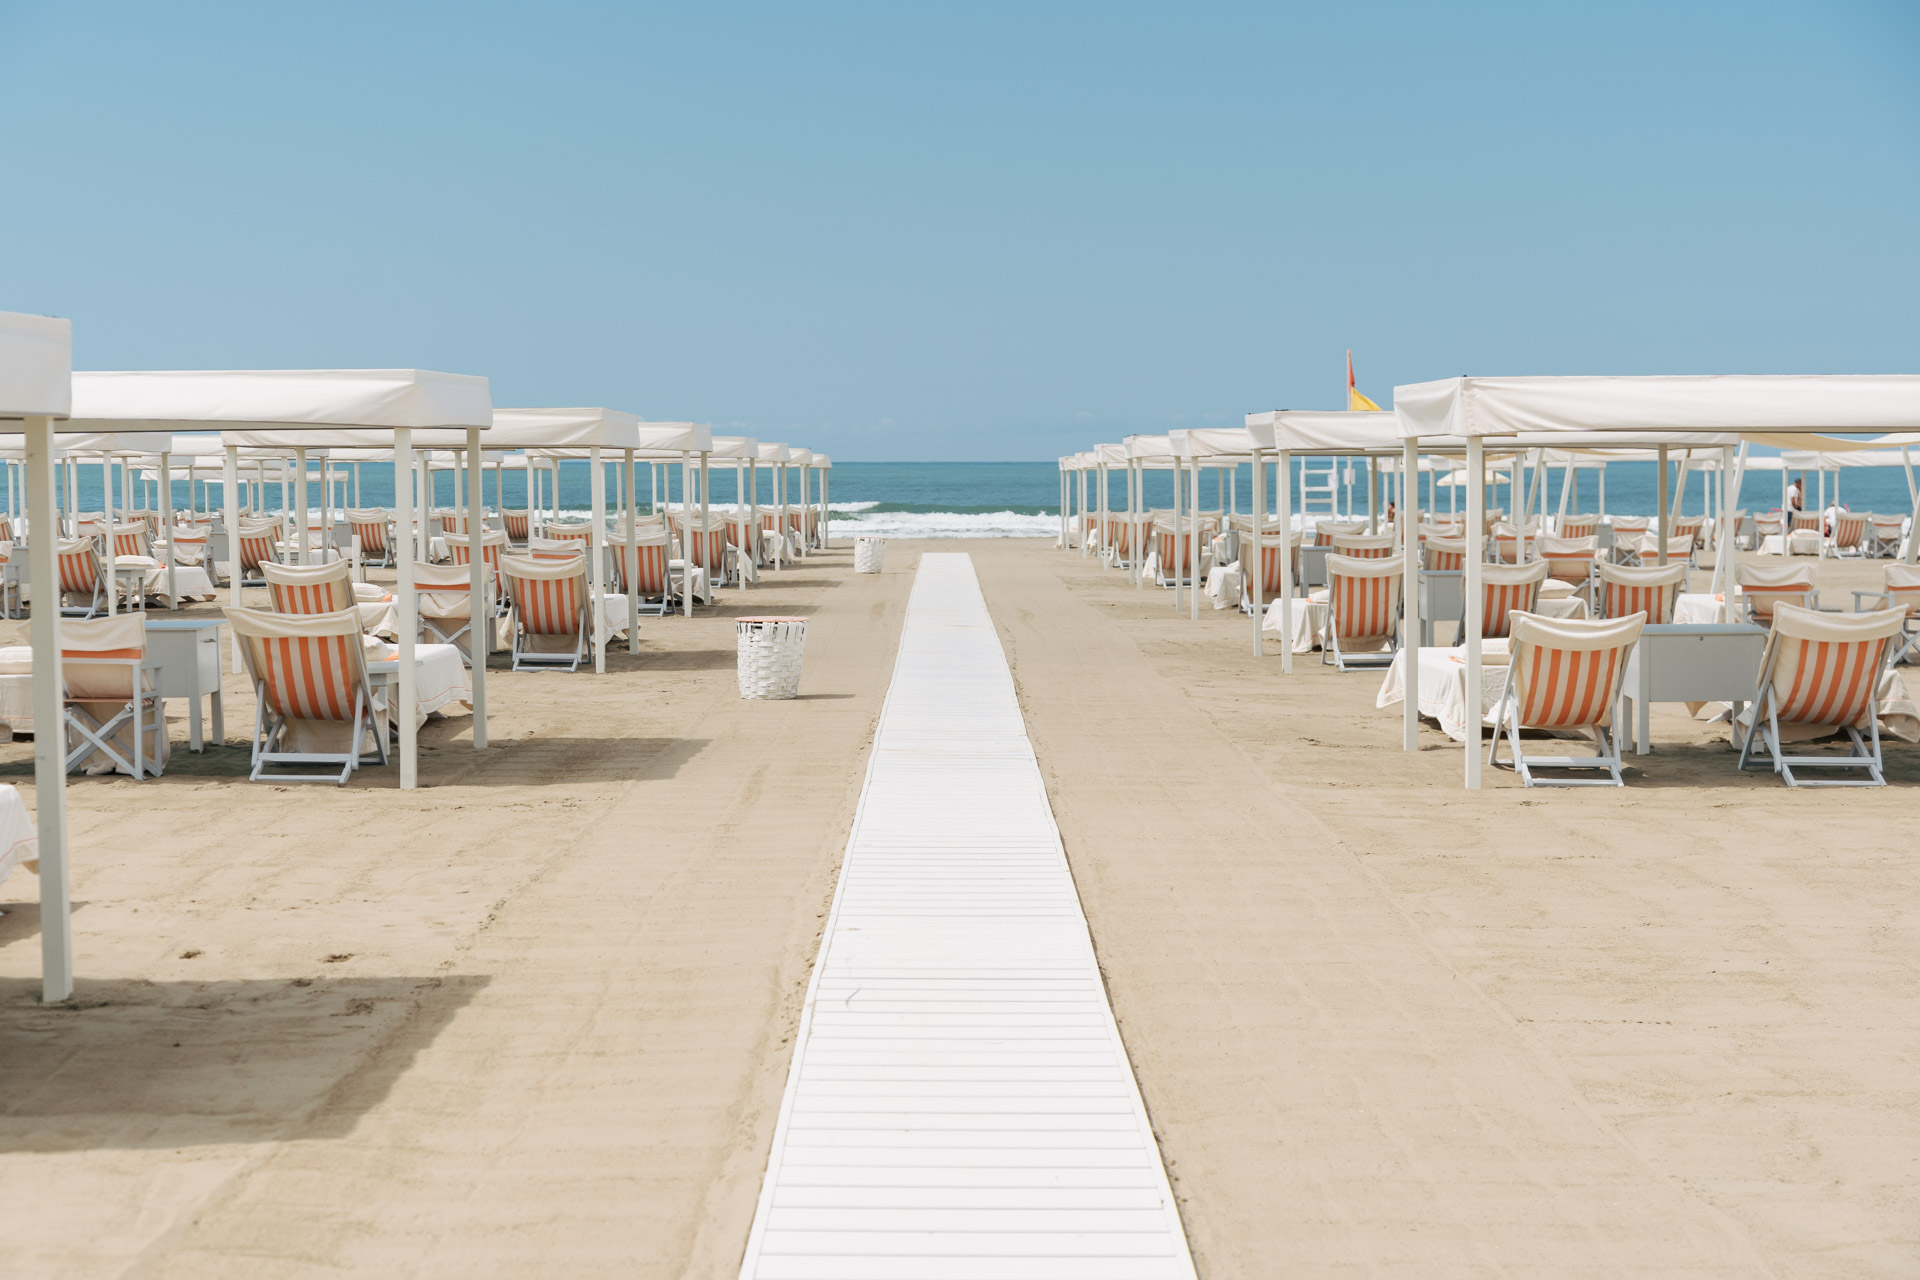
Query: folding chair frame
<point x="97" y="737"/>
<point x="1858" y="756"/>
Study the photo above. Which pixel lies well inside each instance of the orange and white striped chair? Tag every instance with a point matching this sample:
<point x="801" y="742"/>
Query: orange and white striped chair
<point x="444" y="608"/>
<point x="1627" y="532"/>
<point x="1327" y="530"/>
<point x="1506" y="541"/>
<point x="1564" y="676"/>
<point x="1902" y="591"/>
<point x="1364" y="547"/>
<point x="305" y="589"/>
<point x="539" y="548"/>
<point x="1446" y="555"/>
<point x="1848" y="537"/>
<point x="259" y="544"/>
<point x="313" y="701"/>
<point x="1173" y="553"/>
<point x="1570" y="559"/>
<point x="1820" y="674"/>
<point x="550" y="603"/>
<point x="1127" y="537"/>
<point x="1363" y="611"/>
<point x="82" y="575"/>
<point x="518" y="526"/>
<point x="577" y="532"/>
<point x="1688" y="527"/>
<point x="1580" y="526"/>
<point x="1772" y="524"/>
<point x="1271" y="581"/>
<point x="1645" y="549"/>
<point x="112" y="705"/>
<point x="373" y="531"/>
<point x="705" y="549"/>
<point x="493" y="543"/>
<point x="645" y="557"/>
<point x="1650" y="590"/>
<point x="131" y="541"/>
<point x="1884" y="534"/>
<point x="189" y="543"/>
<point x="1506" y="589"/>
<point x="1804" y="522"/>
<point x="1762" y="587"/>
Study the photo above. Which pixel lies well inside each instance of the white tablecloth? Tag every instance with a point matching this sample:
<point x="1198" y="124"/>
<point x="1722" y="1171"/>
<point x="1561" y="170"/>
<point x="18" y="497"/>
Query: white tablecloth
<point x="1803" y="542"/>
<point x="1310" y="616"/>
<point x="19" y="842"/>
<point x="1443" y="685"/>
<point x="1694" y="608"/>
<point x="440" y="678"/>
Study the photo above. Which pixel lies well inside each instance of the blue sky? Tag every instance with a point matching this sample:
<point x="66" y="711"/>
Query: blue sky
<point x="918" y="231"/>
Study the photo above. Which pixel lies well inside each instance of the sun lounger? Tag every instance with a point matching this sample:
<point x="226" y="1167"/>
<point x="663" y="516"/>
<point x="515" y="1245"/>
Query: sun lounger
<point x="1362" y="547"/>
<point x="445" y="606"/>
<point x="1901" y="591"/>
<point x="550" y="603"/>
<point x="259" y="544"/>
<point x="1327" y="530"/>
<point x="1569" y="559"/>
<point x="313" y="702"/>
<point x="112" y="705"/>
<point x="646" y="558"/>
<point x="1564" y="676"/>
<point x="1884" y="534"/>
<point x="1580" y="526"/>
<point x="1820" y="673"/>
<point x="1363" y="610"/>
<point x="1446" y="555"/>
<point x="1761" y="587"/>
<point x="1848" y="537"/>
<point x="1506" y="590"/>
<point x="82" y="576"/>
<point x="372" y="530"/>
<point x="518" y="526"/>
<point x="1649" y="590"/>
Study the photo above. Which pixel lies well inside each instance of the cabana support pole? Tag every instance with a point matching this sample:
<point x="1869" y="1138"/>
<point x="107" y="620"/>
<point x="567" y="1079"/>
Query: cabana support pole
<point x="1179" y="532"/>
<point x="479" y="619"/>
<point x="166" y="527"/>
<point x="686" y="526"/>
<point x="49" y="743"/>
<point x="1193" y="545"/>
<point x="409" y="611"/>
<point x="705" y="568"/>
<point x="1410" y="594"/>
<point x="1472" y="623"/>
<point x="630" y="557"/>
<point x="1256" y="578"/>
<point x="230" y="505"/>
<point x="1660" y="503"/>
<point x="596" y="613"/>
<point x="1283" y="488"/>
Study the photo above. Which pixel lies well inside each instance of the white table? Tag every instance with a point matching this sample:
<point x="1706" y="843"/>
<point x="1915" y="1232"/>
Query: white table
<point x="188" y="650"/>
<point x="1688" y="662"/>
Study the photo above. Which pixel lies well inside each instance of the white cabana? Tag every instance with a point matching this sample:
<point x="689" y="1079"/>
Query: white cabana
<point x="36" y="388"/>
<point x="1570" y="411"/>
<point x="310" y="409"/>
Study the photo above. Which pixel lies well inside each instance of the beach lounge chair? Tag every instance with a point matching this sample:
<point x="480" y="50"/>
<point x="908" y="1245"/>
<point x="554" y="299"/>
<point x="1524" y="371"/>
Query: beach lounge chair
<point x="1902" y="591"/>
<point x="1884" y="534"/>
<point x="445" y="611"/>
<point x="518" y="526"/>
<point x="710" y="543"/>
<point x="1773" y="524"/>
<point x="1649" y="590"/>
<point x="1820" y="673"/>
<point x="1362" y="547"/>
<point x="189" y="544"/>
<point x="1506" y="589"/>
<point x="646" y="558"/>
<point x="1581" y="526"/>
<point x="372" y="529"/>
<point x="1569" y="559"/>
<point x="1848" y="537"/>
<point x="1564" y="676"/>
<point x="1363" y="609"/>
<point x="1763" y="586"/>
<point x="112" y="705"/>
<point x="82" y="577"/>
<point x="1271" y="583"/>
<point x="1173" y="554"/>
<point x="493" y="543"/>
<point x="313" y="701"/>
<point x="549" y="605"/>
<point x="1505" y="541"/>
<point x="1446" y="555"/>
<point x="1327" y="530"/>
<point x="539" y="548"/>
<point x="1628" y="528"/>
<point x="1645" y="550"/>
<point x="259" y="544"/>
<point x="309" y="588"/>
<point x="1687" y="527"/>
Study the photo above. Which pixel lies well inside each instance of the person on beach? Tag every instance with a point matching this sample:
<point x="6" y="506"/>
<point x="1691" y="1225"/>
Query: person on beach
<point x="1795" y="502"/>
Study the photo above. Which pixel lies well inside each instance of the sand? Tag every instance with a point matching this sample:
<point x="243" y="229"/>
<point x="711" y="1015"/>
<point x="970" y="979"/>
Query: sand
<point x="532" y="1019"/>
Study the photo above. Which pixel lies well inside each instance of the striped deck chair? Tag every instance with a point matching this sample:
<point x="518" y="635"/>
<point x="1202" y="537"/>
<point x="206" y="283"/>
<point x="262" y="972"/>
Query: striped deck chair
<point x="1645" y="549"/>
<point x="1326" y="530"/>
<point x="445" y="606"/>
<point x="1363" y="608"/>
<point x="539" y="548"/>
<point x="1902" y="591"/>
<point x="189" y="543"/>
<point x="131" y="541"/>
<point x="1627" y="532"/>
<point x="372" y="530"/>
<point x="1362" y="547"/>
<point x="1820" y="674"/>
<point x="518" y="526"/>
<point x="646" y="557"/>
<point x="492" y="543"/>
<point x="259" y="544"/>
<point x="1446" y="555"/>
<point x="1506" y="589"/>
<point x="82" y="575"/>
<point x="549" y="604"/>
<point x="112" y="705"/>
<point x="1650" y="590"/>
<point x="1505" y="541"/>
<point x="1564" y="676"/>
<point x="577" y="532"/>
<point x="1128" y="536"/>
<point x="448" y="520"/>
<point x="712" y="543"/>
<point x="1688" y="527"/>
<point x="1173" y="554"/>
<point x="1570" y="559"/>
<point x="1762" y="587"/>
<point x="1271" y="582"/>
<point x="313" y="702"/>
<point x="1847" y="538"/>
<point x="1804" y="522"/>
<point x="1582" y="526"/>
<point x="1884" y="534"/>
<point x="308" y="589"/>
<point x="1769" y="525"/>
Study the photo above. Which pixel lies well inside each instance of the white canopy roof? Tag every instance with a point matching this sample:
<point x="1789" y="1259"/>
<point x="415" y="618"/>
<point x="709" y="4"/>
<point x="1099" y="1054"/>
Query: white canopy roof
<point x="772" y="452"/>
<point x="821" y="462"/>
<point x="36" y="366"/>
<point x="250" y="402"/>
<point x="1207" y="442"/>
<point x="738" y="447"/>
<point x="797" y="457"/>
<point x="1324" y="431"/>
<point x="1659" y="405"/>
<point x="564" y="429"/>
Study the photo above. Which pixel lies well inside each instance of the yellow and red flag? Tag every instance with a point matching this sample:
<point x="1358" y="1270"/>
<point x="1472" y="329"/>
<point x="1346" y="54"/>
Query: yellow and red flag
<point x="1354" y="399"/>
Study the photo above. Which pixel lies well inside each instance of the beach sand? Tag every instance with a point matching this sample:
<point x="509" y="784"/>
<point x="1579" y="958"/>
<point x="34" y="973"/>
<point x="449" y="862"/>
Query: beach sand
<point x="532" y="1019"/>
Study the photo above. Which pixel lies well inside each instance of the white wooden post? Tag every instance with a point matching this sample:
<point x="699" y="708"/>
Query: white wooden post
<point x="1473" y="623"/>
<point x="479" y="618"/>
<point x="1283" y="486"/>
<point x="49" y="742"/>
<point x="406" y="692"/>
<point x="1410" y="594"/>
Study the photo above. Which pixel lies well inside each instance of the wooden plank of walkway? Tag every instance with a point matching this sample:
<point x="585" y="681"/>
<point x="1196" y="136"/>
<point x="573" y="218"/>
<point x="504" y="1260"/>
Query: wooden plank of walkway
<point x="959" y="1103"/>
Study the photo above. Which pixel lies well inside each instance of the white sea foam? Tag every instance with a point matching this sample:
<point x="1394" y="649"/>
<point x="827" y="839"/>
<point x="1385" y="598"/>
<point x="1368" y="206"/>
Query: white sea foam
<point x="947" y="524"/>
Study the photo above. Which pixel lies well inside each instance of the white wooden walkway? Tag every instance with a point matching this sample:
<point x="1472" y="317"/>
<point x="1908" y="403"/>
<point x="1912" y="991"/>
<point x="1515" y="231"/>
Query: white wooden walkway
<point x="960" y="1104"/>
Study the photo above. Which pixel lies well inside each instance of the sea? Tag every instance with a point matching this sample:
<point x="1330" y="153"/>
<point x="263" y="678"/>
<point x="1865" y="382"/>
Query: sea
<point x="1022" y="499"/>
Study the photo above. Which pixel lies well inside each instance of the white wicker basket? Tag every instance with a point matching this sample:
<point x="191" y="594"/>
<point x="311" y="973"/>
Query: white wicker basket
<point x="769" y="656"/>
<point x="868" y="553"/>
